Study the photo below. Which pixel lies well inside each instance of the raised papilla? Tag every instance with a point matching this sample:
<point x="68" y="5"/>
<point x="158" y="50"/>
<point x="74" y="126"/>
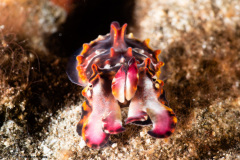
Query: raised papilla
<point x="117" y="71"/>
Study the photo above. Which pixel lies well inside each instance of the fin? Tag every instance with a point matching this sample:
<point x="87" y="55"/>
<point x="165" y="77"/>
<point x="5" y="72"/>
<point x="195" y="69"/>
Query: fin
<point x="71" y="70"/>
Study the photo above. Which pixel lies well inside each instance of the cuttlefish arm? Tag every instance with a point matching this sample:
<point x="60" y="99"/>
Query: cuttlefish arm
<point x="124" y="84"/>
<point x="147" y="102"/>
<point x="90" y="127"/>
<point x="101" y="114"/>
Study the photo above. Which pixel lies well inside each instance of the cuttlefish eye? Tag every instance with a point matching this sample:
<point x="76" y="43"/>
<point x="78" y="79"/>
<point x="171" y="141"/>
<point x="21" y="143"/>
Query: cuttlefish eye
<point x="90" y="86"/>
<point x="154" y="79"/>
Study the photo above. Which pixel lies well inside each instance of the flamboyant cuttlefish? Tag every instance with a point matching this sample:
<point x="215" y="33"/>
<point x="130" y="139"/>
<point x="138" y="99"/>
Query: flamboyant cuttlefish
<point x="117" y="71"/>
